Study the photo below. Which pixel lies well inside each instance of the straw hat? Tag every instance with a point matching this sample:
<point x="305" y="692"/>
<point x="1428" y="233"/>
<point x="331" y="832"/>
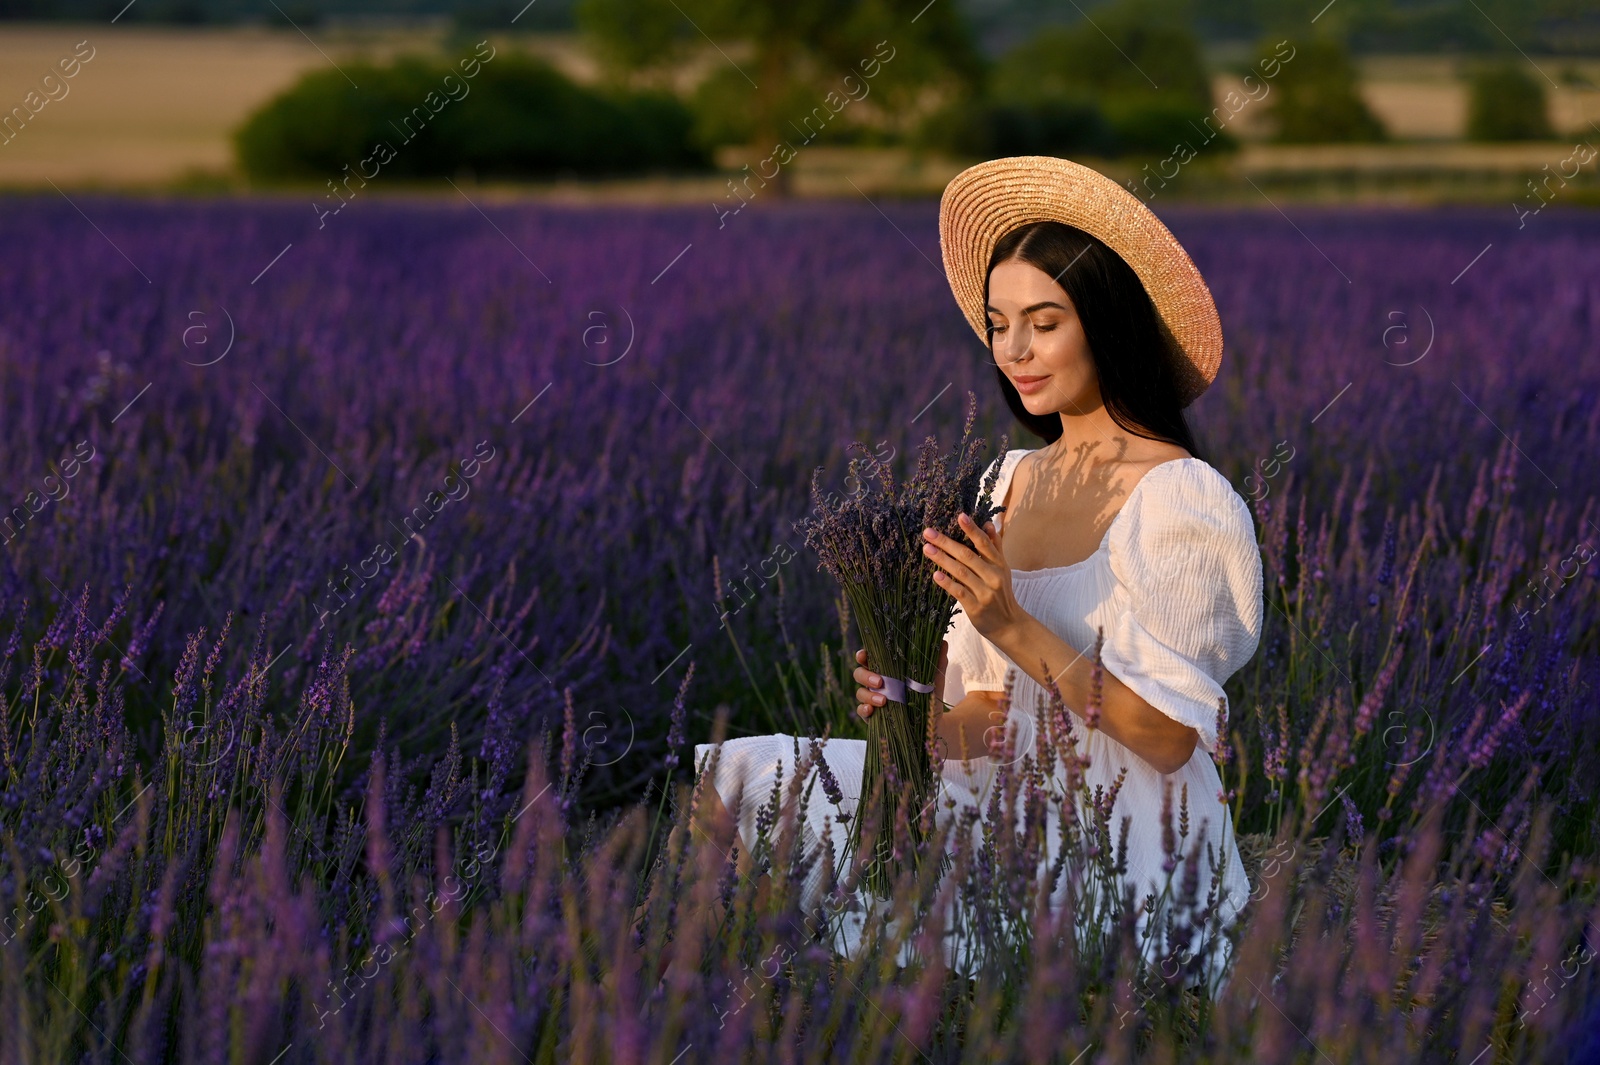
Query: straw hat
<point x="984" y="202"/>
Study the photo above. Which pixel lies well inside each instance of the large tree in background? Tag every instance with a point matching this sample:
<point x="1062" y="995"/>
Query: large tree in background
<point x="779" y="59"/>
<point x="1127" y="77"/>
<point x="1368" y="26"/>
<point x="1507" y="104"/>
<point x="1136" y="61"/>
<point x="1317" y="97"/>
<point x="1116" y="56"/>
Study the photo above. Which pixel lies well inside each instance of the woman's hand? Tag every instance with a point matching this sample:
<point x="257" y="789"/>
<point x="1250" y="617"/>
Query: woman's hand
<point x="976" y="715"/>
<point x="978" y="577"/>
<point x="867" y="701"/>
<point x="994" y="737"/>
<point x="975" y="727"/>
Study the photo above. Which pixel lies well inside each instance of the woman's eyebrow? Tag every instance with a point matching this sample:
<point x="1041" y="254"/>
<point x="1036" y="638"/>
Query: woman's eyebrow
<point x="1031" y="307"/>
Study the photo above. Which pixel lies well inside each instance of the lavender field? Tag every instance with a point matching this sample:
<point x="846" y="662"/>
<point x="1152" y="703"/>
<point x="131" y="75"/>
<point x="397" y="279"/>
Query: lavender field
<point x="366" y="588"/>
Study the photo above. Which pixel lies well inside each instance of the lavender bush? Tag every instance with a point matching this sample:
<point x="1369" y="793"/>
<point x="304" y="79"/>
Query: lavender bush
<point x="871" y="544"/>
<point x="345" y="674"/>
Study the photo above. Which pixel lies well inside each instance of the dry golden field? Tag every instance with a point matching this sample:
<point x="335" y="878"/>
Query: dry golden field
<point x="154" y="107"/>
<point x="155" y="103"/>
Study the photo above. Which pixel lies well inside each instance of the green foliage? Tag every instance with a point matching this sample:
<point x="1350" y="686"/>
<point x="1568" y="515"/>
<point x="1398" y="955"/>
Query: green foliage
<point x="767" y="66"/>
<point x="540" y="16"/>
<point x="1506" y="103"/>
<point x="1062" y="126"/>
<point x="301" y="13"/>
<point x="632" y="35"/>
<point x="723" y="114"/>
<point x="1315" y="98"/>
<point x="514" y="117"/>
<point x="1129" y="60"/>
<point x="1131" y="81"/>
<point x="323" y="121"/>
<point x="1159" y="125"/>
<point x="1415" y="27"/>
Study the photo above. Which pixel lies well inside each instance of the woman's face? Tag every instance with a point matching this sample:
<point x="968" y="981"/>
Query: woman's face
<point x="1038" y="341"/>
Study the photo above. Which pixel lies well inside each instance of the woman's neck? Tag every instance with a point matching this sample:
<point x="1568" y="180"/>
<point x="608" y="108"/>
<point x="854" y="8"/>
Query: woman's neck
<point x="1091" y="434"/>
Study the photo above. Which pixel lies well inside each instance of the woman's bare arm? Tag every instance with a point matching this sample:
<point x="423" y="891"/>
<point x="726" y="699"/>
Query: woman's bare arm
<point x="1125" y="716"/>
<point x="980" y="580"/>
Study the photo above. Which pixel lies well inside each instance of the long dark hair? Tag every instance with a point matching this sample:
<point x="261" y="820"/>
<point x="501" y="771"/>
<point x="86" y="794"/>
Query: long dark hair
<point x="1139" y="364"/>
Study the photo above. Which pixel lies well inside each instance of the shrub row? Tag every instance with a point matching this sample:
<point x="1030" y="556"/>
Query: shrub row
<point x="491" y="115"/>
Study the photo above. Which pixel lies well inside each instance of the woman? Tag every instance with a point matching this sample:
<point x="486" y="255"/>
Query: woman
<point x="1101" y="331"/>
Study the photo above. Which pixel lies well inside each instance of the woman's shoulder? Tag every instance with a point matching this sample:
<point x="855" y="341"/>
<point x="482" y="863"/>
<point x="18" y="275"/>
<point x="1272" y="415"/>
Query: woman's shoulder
<point x="1185" y="551"/>
<point x="1188" y="490"/>
<point x="1012" y="456"/>
<point x="1184" y="517"/>
<point x="1007" y="464"/>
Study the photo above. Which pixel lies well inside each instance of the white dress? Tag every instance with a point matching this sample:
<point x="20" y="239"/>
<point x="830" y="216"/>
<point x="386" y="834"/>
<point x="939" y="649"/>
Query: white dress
<point x="1176" y="584"/>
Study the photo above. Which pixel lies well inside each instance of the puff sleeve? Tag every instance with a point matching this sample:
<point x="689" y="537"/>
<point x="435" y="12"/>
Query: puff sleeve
<point x="1187" y="556"/>
<point x="975" y="664"/>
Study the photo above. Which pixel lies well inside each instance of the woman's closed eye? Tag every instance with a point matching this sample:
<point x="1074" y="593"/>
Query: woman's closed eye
<point x="1046" y="328"/>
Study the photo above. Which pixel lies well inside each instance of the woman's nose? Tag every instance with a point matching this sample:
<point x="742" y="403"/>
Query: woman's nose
<point x="1014" y="343"/>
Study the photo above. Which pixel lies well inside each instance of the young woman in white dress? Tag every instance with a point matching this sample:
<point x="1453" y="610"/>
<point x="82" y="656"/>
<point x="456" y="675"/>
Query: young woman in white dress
<point x="1115" y="526"/>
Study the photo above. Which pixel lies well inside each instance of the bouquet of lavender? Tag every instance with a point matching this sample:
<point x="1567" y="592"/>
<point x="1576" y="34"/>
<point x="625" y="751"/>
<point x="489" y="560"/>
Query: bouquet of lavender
<point x="871" y="542"/>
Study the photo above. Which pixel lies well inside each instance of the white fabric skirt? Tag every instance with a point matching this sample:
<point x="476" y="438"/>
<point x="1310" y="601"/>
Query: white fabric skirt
<point x="749" y="767"/>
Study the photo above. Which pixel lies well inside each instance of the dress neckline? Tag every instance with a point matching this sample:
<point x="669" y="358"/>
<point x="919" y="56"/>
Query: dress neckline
<point x="1005" y="498"/>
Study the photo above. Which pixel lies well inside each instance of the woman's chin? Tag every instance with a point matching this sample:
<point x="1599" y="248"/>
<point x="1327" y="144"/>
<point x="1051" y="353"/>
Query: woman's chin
<point x="1052" y="401"/>
<point x="1044" y="404"/>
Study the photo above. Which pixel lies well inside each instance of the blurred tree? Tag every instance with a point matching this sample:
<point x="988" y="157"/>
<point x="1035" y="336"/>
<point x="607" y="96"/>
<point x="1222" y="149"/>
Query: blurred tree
<point x="1126" y="51"/>
<point x="1571" y="75"/>
<point x="1316" y="100"/>
<point x="989" y="129"/>
<point x="1506" y="103"/>
<point x="17" y="10"/>
<point x="796" y="55"/>
<point x="516" y="117"/>
<point x="300" y="13"/>
<point x="512" y="15"/>
<point x="1127" y="77"/>
<point x="1388" y="26"/>
<point x="186" y="12"/>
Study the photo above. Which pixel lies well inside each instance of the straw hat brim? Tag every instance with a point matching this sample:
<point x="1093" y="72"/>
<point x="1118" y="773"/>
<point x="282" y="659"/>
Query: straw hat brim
<point x="984" y="202"/>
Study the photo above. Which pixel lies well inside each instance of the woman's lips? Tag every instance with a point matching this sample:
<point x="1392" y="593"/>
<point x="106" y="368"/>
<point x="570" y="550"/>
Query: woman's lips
<point x="1029" y="385"/>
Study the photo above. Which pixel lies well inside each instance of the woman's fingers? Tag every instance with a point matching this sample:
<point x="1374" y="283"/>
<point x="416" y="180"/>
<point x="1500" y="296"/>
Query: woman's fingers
<point x="866" y="699"/>
<point x="955" y="570"/>
<point x="867" y="679"/>
<point x="947" y="545"/>
<point x="984" y="539"/>
<point x="997" y="539"/>
<point x="964" y="563"/>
